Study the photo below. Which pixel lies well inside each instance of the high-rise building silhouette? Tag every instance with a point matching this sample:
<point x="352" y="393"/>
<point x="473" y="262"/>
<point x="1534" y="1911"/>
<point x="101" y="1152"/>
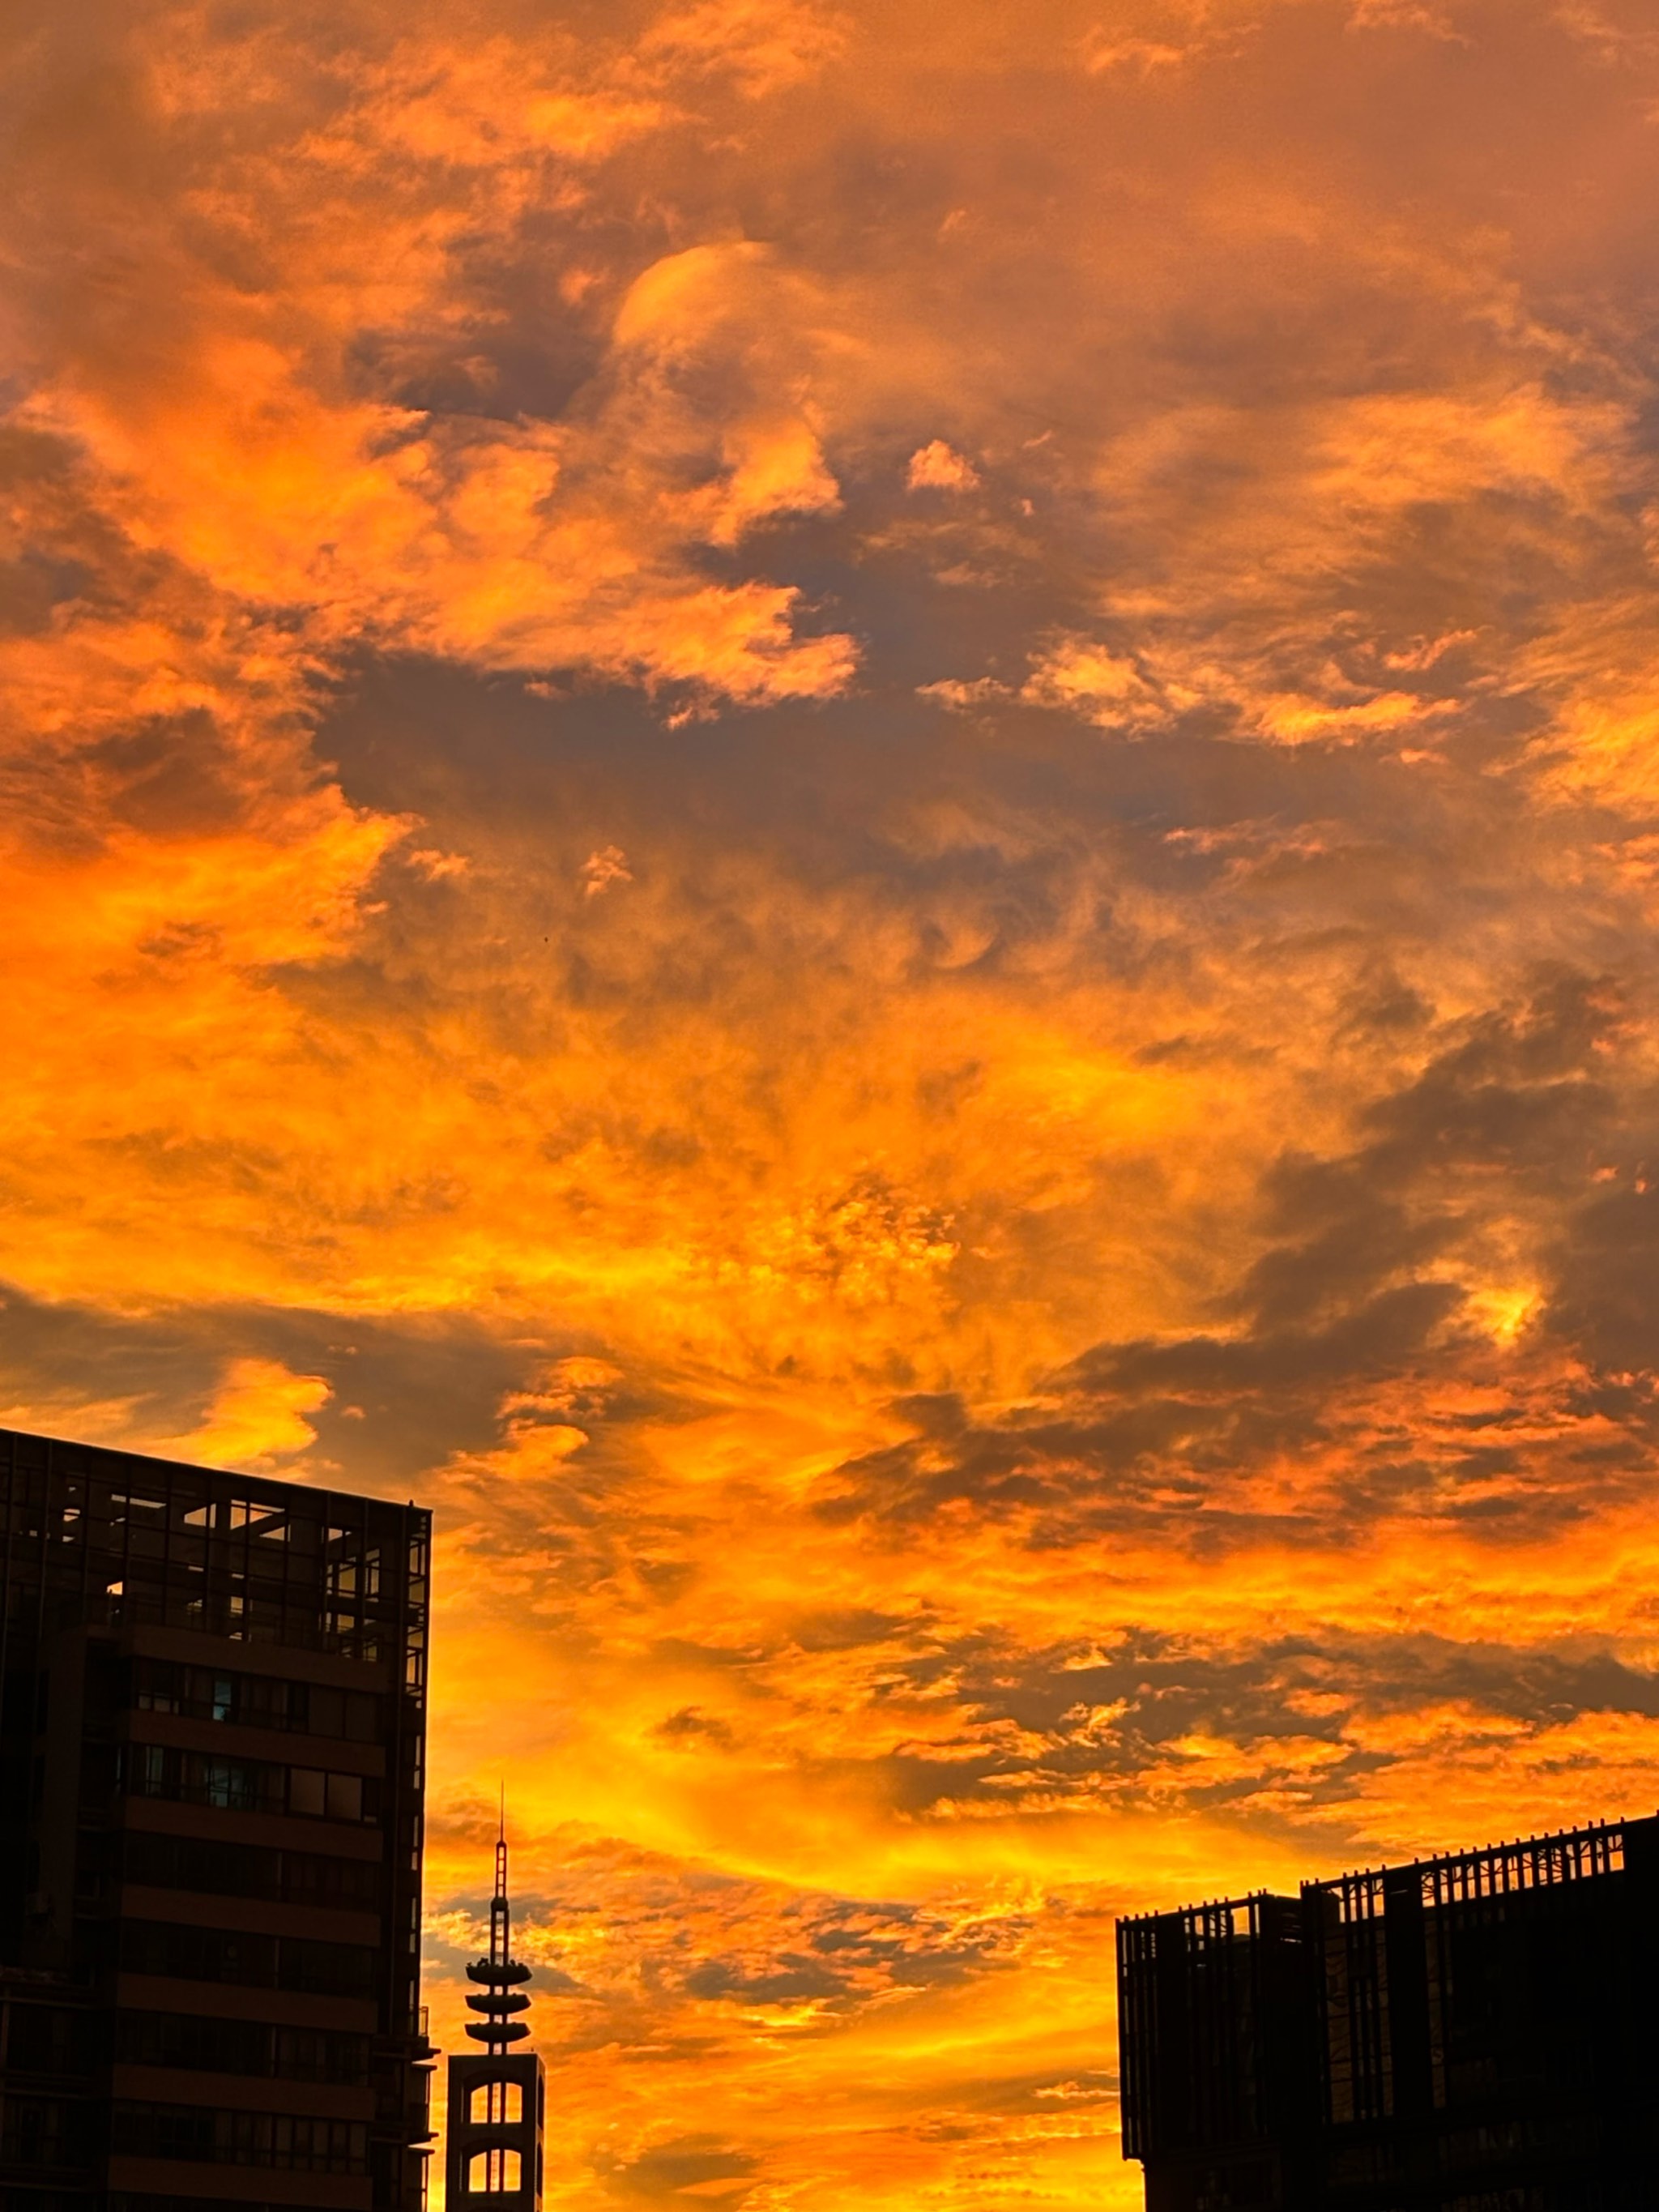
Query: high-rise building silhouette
<point x="1476" y="2033"/>
<point x="497" y="2100"/>
<point x="212" y="1714"/>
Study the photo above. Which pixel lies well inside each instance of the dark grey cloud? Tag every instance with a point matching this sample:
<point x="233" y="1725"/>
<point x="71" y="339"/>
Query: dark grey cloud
<point x="406" y="1393"/>
<point x="679" y="2166"/>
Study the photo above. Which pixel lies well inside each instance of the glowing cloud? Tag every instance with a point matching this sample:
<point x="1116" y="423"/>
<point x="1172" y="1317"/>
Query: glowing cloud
<point x="850" y="812"/>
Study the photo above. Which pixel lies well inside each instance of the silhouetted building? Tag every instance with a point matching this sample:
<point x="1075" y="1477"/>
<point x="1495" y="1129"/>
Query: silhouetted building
<point x="1473" y="2033"/>
<point x="496" y="2097"/>
<point x="212" y="1712"/>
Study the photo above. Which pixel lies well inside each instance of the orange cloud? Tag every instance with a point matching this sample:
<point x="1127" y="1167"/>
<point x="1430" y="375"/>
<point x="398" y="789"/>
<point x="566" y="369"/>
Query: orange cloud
<point x="939" y="467"/>
<point x="257" y="1418"/>
<point x="1010" y="1313"/>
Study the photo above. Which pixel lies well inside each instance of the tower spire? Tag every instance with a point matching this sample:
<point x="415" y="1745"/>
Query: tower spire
<point x="497" y="2096"/>
<point x="499" y="1974"/>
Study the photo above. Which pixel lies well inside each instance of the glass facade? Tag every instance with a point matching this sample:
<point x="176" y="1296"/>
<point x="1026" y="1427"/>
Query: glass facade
<point x="212" y="1726"/>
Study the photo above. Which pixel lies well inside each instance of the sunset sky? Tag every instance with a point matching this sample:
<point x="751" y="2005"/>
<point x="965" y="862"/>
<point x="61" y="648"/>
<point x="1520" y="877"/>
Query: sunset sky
<point x="851" y="814"/>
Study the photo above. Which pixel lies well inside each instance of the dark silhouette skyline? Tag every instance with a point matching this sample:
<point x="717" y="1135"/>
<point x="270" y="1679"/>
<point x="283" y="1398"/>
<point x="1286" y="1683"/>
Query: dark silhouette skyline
<point x="1471" y="2032"/>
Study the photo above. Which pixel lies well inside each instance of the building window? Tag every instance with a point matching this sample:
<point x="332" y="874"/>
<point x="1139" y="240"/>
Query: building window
<point x="228" y="1784"/>
<point x="493" y="2173"/>
<point x="501" y="2102"/>
<point x="345" y="1797"/>
<point x="296" y="2142"/>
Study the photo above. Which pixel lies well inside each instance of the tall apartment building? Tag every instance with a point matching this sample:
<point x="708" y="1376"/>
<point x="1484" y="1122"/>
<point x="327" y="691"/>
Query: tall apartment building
<point x="212" y="1717"/>
<point x="1477" y="2032"/>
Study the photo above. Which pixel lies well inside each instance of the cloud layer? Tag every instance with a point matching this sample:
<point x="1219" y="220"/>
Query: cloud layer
<point x="852" y="813"/>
